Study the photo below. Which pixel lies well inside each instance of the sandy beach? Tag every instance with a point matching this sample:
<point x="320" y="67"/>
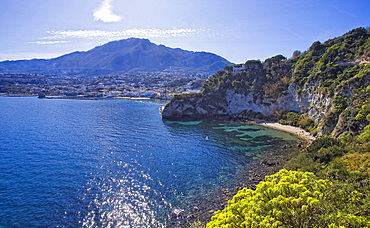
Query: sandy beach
<point x="299" y="132"/>
<point x="258" y="170"/>
<point x="132" y="98"/>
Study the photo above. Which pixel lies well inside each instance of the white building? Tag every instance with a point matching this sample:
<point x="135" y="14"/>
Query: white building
<point x="237" y="69"/>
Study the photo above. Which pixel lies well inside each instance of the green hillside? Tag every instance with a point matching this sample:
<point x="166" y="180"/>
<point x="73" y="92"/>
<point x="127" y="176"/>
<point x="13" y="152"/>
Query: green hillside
<point x="338" y="69"/>
<point x="328" y="182"/>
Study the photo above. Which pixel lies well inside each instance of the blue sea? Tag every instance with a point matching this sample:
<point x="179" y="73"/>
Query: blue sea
<point x="115" y="163"/>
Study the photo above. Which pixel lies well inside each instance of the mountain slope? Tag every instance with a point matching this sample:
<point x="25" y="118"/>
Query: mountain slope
<point x="129" y="55"/>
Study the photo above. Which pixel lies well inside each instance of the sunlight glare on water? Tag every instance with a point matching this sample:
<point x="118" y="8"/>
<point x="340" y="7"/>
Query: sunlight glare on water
<point x="115" y="163"/>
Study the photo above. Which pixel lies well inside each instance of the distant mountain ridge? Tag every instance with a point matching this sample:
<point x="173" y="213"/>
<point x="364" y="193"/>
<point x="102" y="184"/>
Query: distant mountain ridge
<point x="123" y="56"/>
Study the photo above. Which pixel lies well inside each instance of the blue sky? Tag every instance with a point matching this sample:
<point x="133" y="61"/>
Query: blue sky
<point x="238" y="30"/>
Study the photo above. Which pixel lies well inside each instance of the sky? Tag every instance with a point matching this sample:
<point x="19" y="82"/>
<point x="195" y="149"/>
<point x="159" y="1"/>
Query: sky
<point x="238" y="30"/>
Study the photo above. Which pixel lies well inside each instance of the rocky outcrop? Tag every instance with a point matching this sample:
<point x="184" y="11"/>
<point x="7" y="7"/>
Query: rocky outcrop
<point x="320" y="83"/>
<point x="315" y="104"/>
<point x="195" y="106"/>
<point x="237" y="103"/>
<point x="232" y="103"/>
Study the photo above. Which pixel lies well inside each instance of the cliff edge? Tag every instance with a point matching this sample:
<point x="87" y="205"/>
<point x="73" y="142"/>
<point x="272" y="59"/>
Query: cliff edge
<point x="328" y="83"/>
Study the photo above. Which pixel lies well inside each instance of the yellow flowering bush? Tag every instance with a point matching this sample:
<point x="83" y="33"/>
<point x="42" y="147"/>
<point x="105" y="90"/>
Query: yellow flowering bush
<point x="289" y="199"/>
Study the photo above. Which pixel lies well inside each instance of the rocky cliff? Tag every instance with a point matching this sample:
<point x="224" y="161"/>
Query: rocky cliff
<point x="232" y="103"/>
<point x="320" y="83"/>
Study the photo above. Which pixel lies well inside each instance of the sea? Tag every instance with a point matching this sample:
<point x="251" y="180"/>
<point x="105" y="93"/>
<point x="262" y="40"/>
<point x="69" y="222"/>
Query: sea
<point x="116" y="163"/>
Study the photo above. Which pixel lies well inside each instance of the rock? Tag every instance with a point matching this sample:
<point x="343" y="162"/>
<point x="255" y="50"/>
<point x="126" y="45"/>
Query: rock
<point x="177" y="212"/>
<point x="363" y="182"/>
<point x="235" y="105"/>
<point x="267" y="162"/>
<point x="191" y="216"/>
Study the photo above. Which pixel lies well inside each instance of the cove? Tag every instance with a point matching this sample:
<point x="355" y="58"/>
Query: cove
<point x="78" y="163"/>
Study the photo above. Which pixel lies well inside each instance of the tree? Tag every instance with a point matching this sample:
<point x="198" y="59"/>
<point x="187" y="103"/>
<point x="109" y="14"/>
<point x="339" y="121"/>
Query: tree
<point x="228" y="69"/>
<point x="296" y="53"/>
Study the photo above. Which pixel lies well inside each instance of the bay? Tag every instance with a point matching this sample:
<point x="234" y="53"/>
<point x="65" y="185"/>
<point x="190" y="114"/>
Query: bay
<point x="115" y="163"/>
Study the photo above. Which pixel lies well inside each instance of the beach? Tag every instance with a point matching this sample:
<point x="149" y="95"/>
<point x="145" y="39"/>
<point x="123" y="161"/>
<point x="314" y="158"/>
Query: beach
<point x="299" y="132"/>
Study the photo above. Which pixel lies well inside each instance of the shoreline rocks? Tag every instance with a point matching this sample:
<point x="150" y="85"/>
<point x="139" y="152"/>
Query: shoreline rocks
<point x="218" y="199"/>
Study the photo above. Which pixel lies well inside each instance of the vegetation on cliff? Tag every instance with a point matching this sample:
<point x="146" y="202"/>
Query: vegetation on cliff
<point x="338" y="70"/>
<point x="327" y="186"/>
<point x="328" y="182"/>
<point x="333" y="62"/>
<point x="266" y="80"/>
<point x="298" y="120"/>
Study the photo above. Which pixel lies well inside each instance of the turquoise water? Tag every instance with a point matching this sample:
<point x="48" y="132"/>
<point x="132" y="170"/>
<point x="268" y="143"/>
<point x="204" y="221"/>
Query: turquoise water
<point x="111" y="163"/>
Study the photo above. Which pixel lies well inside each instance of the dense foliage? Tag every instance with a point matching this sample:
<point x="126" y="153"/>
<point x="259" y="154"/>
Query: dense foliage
<point x="298" y="120"/>
<point x="294" y="199"/>
<point x="334" y="159"/>
<point x="328" y="185"/>
<point x="338" y="69"/>
<point x="266" y="80"/>
<point x="331" y="64"/>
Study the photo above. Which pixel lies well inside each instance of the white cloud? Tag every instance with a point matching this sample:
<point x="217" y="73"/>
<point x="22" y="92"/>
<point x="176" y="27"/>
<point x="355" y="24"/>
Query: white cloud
<point x="104" y="13"/>
<point x="65" y="36"/>
<point x="49" y="42"/>
<point x="114" y="35"/>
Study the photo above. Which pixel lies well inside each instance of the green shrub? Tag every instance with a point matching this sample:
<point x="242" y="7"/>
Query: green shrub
<point x="316" y="157"/>
<point x="303" y="162"/>
<point x="322" y="142"/>
<point x="291" y="118"/>
<point x="365" y="111"/>
<point x="354" y="166"/>
<point x="326" y="155"/>
<point x="298" y="120"/>
<point x="294" y="199"/>
<point x="365" y="136"/>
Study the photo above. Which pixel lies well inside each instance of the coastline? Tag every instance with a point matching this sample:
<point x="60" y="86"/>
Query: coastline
<point x="264" y="165"/>
<point x="296" y="131"/>
<point x="132" y="98"/>
<point x="144" y="99"/>
<point x="139" y="99"/>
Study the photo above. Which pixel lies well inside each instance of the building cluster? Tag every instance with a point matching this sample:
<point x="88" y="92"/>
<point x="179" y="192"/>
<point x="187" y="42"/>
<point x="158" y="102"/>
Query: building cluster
<point x="159" y="85"/>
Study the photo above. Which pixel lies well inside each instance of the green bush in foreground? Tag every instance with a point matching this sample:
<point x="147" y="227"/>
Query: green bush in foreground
<point x="294" y="199"/>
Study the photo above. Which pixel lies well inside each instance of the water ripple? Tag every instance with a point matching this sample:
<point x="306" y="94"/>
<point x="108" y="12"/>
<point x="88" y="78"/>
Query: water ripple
<point x="114" y="163"/>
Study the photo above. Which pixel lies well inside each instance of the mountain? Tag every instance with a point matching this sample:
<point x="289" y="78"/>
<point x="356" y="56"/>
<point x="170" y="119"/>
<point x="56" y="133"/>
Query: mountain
<point x="117" y="57"/>
<point x="325" y="90"/>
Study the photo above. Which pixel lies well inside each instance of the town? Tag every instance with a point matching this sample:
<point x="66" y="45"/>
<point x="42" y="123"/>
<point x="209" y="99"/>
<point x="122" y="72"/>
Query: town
<point x="155" y="85"/>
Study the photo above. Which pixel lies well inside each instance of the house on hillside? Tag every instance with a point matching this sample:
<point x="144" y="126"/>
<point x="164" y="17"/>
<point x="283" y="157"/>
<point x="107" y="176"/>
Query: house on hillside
<point x="238" y="68"/>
